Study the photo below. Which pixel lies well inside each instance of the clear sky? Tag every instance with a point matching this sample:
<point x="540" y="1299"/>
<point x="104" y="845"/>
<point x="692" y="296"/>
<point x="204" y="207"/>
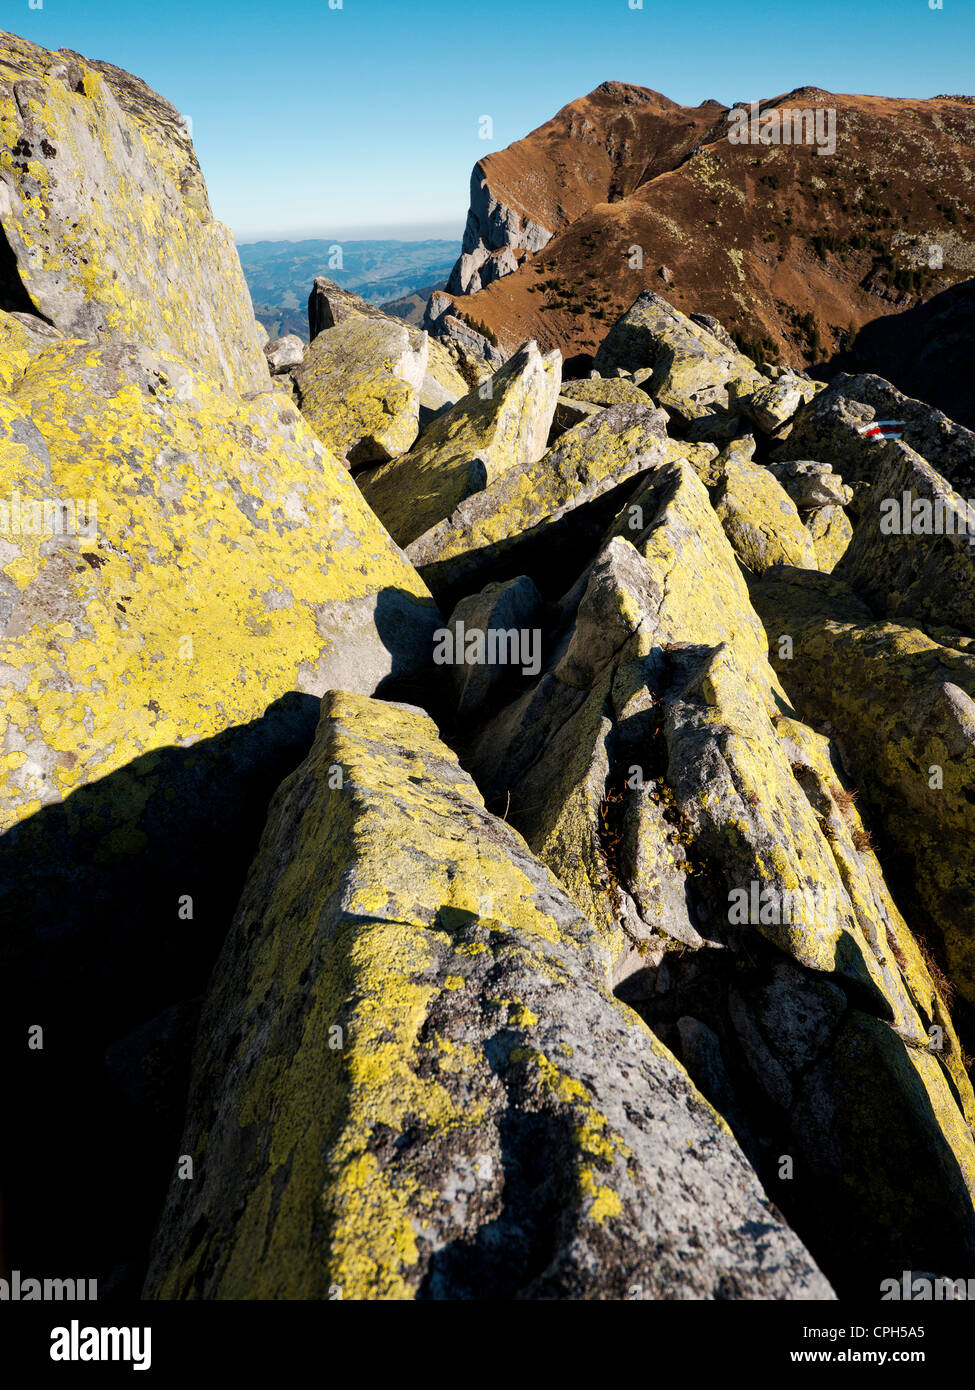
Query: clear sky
<point x="363" y="121"/>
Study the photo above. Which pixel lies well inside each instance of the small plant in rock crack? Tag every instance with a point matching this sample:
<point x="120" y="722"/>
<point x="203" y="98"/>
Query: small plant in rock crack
<point x="610" y="833"/>
<point x="896" y="950"/>
<point x="861" y="839"/>
<point x="939" y="979"/>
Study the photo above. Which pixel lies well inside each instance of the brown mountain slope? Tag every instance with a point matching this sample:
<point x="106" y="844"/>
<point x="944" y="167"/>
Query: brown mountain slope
<point x="793" y="250"/>
<point x="597" y="149"/>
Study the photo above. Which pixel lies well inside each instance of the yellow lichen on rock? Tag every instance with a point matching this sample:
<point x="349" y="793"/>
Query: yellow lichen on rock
<point x="224" y="560"/>
<point x="347" y="1154"/>
<point x="106" y="213"/>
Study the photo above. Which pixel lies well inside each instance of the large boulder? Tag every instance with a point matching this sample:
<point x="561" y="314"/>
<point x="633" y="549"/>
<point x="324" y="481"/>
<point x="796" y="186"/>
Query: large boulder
<point x="658" y="769"/>
<point x="543" y="513"/>
<point x="186" y="573"/>
<point x="834" y="428"/>
<point x="443" y="383"/>
<point x="901" y="707"/>
<point x="771" y="406"/>
<point x="759" y="517"/>
<point x="912" y="554"/>
<point x="216" y="523"/>
<point x="693" y="372"/>
<point x="105" y="213"/>
<point x="832" y="531"/>
<point x="502" y="424"/>
<point x="359" y="387"/>
<point x="412" y="1082"/>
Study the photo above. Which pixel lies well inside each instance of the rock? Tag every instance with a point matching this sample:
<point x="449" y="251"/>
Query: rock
<point x="811" y="485"/>
<point x="832" y="531"/>
<point x="284" y="353"/>
<point x="106" y="215"/>
<point x="773" y="405"/>
<point x="715" y="328"/>
<point x="546" y="513"/>
<point x="22" y="338"/>
<point x="758" y="515"/>
<point x="902" y="709"/>
<point x="359" y="388"/>
<point x="412" y="1082"/>
<point x="509" y="611"/>
<point x="228" y="561"/>
<point x="329" y="304"/>
<point x="570" y="412"/>
<point x="604" y="391"/>
<point x="665" y="274"/>
<point x="648" y="768"/>
<point x="692" y="370"/>
<point x="492" y="233"/>
<point x="443" y="384"/>
<point x="912" y="555"/>
<point x="830" y="428"/>
<point x="442" y="321"/>
<point x="502" y="424"/>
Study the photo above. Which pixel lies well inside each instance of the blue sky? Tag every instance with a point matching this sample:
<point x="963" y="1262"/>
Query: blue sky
<point x="311" y="121"/>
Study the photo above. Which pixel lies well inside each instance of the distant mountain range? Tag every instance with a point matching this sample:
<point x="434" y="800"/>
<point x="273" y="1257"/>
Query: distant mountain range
<point x="279" y="274"/>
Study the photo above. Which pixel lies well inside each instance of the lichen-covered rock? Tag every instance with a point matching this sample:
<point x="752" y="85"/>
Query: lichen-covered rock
<point x="359" y="387"/>
<point x="832" y="427"/>
<point x="412" y="1082"/>
<point x="658" y="769"/>
<point x="329" y="304"/>
<point x="901" y="706"/>
<point x="811" y="485"/>
<point x="105" y="211"/>
<point x="544" y="513"/>
<point x="220" y="558"/>
<point x="443" y="383"/>
<point x="284" y="353"/>
<point x="605" y="391"/>
<point x="772" y="405"/>
<point x="569" y="412"/>
<point x="832" y="531"/>
<point x="502" y="424"/>
<point x="912" y="554"/>
<point x="692" y="369"/>
<point x="758" y="515"/>
<point x="22" y="338"/>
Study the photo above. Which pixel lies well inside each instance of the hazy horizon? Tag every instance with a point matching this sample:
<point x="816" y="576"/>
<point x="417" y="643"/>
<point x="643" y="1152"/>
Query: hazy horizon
<point x="369" y="116"/>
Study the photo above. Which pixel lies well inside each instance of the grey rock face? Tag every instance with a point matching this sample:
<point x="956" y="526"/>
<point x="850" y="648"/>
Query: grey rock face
<point x="692" y="371"/>
<point x="491" y="227"/>
<point x="500" y="613"/>
<point x="538" y="511"/>
<point x="912" y="555"/>
<point x="105" y="211"/>
<point x="284" y="353"/>
<point x="544" y="1120"/>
